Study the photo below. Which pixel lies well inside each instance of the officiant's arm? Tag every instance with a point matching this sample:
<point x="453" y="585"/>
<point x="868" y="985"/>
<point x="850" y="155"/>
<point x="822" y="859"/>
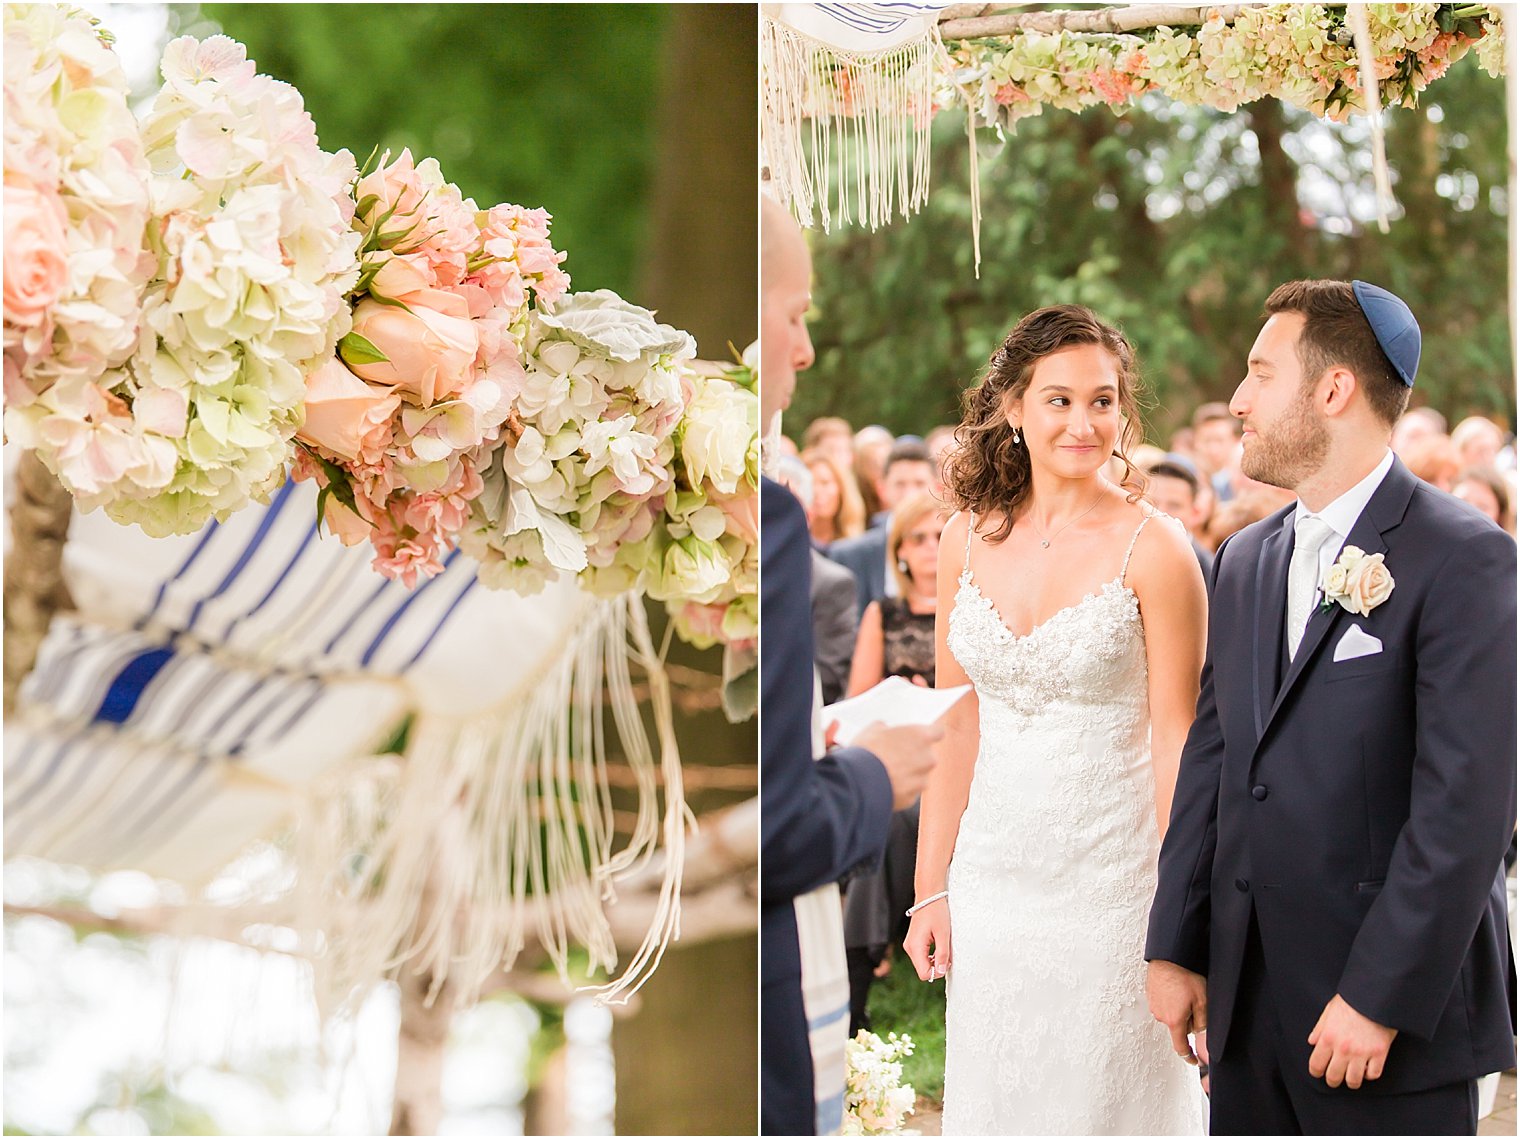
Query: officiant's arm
<point x="944" y="799"/>
<point x="1165" y="576"/>
<point x="1409" y="950"/>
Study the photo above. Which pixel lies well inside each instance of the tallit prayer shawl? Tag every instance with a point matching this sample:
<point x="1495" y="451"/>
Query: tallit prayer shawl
<point x="213" y="688"/>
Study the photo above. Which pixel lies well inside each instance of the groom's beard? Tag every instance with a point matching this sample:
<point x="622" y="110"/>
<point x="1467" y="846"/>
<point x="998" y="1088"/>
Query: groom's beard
<point x="1289" y="451"/>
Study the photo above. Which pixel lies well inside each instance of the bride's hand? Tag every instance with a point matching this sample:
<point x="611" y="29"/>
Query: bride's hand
<point x="928" y="940"/>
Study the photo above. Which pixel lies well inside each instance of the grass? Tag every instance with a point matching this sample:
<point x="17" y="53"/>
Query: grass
<point x="903" y="1004"/>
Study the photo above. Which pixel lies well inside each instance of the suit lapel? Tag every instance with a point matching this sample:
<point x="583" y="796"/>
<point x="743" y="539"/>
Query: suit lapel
<point x="1384" y="511"/>
<point x="1271" y="612"/>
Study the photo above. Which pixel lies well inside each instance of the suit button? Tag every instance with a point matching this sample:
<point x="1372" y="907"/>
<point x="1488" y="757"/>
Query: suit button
<point x="1242" y="885"/>
<point x="1259" y="792"/>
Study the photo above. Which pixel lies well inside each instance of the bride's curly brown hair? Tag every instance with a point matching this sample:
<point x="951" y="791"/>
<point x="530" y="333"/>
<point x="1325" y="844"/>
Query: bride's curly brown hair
<point x="988" y="473"/>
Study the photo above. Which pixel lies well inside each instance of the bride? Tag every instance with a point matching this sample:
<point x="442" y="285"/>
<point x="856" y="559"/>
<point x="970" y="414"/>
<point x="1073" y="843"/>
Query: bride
<point x="1081" y="627"/>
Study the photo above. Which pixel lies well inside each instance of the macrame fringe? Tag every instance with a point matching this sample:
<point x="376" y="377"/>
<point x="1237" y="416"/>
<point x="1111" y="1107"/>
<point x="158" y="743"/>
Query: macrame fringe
<point x="496" y="826"/>
<point x="1361" y="34"/>
<point x="854" y="121"/>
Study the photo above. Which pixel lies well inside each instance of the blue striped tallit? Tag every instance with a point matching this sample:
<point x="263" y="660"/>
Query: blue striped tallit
<point x="204" y="678"/>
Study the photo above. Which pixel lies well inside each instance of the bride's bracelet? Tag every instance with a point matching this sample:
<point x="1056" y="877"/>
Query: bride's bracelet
<point x="930" y="900"/>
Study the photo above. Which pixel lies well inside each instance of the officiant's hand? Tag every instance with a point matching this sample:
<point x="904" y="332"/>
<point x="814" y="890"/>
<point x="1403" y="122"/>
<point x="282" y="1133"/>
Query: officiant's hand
<point x="1178" y="999"/>
<point x="1348" y="1047"/>
<point x="907" y="752"/>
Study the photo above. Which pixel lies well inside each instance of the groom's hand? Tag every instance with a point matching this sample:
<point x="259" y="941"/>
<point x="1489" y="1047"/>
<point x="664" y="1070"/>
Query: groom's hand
<point x="1178" y="999"/>
<point x="1348" y="1047"/>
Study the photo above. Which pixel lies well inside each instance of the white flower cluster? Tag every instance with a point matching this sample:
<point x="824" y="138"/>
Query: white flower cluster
<point x="76" y="209"/>
<point x="875" y="1098"/>
<point x="254" y="257"/>
<point x="588" y="452"/>
<point x="703" y="558"/>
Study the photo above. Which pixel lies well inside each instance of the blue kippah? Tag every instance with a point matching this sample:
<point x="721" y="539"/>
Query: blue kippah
<point x="1395" y="327"/>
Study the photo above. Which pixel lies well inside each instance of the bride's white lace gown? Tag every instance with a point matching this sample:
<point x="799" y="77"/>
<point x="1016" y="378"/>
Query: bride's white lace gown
<point x="1048" y="1031"/>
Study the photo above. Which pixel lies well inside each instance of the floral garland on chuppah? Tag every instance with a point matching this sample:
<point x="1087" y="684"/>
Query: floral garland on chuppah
<point x="1303" y="54"/>
<point x="204" y="308"/>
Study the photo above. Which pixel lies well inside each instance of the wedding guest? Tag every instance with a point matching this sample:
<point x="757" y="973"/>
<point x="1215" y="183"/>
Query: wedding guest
<point x="940" y="441"/>
<point x="908" y="470"/>
<point x="832" y="595"/>
<point x="1216" y="447"/>
<point x="1181" y="442"/>
<point x="1414" y="426"/>
<point x="818" y="818"/>
<point x="896" y="639"/>
<point x="1485" y="488"/>
<point x="1251" y="505"/>
<point x="1173" y="489"/>
<point x="897" y="633"/>
<point x="838" y="511"/>
<point x="1435" y="460"/>
<point x="871" y="446"/>
<point x="831" y="435"/>
<point x="1478" y="441"/>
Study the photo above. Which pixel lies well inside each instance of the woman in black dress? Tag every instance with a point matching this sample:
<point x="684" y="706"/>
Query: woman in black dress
<point x="896" y="639"/>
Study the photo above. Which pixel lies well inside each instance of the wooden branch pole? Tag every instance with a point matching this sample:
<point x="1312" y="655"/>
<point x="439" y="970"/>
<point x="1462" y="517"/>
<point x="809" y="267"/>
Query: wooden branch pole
<point x="422" y="1043"/>
<point x="955" y="25"/>
<point x="34" y="588"/>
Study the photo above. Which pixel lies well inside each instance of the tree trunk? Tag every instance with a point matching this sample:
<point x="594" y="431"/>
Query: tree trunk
<point x="34" y="587"/>
<point x="687" y="1063"/>
<point x="700" y="261"/>
<point x="422" y="1043"/>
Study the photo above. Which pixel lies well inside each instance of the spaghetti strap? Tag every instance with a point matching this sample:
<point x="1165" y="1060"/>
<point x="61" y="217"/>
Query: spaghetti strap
<point x="1149" y="514"/>
<point x="970" y="526"/>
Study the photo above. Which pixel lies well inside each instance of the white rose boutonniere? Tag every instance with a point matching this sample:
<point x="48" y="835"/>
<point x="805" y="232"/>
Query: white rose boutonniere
<point x="1359" y="581"/>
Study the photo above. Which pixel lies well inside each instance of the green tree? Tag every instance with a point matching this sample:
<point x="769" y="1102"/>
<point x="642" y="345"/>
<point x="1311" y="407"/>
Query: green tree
<point x="1174" y="222"/>
<point x="537" y="104"/>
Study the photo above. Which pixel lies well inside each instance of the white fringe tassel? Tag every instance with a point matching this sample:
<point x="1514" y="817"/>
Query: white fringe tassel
<point x="867" y="118"/>
<point x="497" y="825"/>
<point x="1361" y="34"/>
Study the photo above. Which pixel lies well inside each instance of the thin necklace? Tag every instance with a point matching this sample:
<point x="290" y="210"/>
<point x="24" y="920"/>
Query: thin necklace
<point x="1044" y="541"/>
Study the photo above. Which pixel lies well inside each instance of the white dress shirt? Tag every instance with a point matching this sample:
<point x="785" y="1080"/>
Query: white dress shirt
<point x="1342" y="514"/>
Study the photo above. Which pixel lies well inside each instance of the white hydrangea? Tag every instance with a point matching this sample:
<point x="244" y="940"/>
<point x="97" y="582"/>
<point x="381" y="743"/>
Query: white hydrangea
<point x="254" y="257"/>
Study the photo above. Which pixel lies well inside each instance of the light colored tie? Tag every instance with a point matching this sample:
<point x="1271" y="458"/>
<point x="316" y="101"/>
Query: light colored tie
<point x="1310" y="532"/>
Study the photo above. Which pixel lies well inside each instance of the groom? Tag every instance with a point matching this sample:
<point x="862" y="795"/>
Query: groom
<point x="1330" y="903"/>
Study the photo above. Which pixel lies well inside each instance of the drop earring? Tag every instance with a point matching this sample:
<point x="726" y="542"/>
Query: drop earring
<point x="1016" y="438"/>
<point x="902" y="565"/>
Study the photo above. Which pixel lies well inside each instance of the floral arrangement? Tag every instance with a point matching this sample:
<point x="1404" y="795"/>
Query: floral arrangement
<point x="875" y="1098"/>
<point x="247" y="263"/>
<point x="1300" y="53"/>
<point x="199" y="302"/>
<point x="76" y="209"/>
<point x="401" y="421"/>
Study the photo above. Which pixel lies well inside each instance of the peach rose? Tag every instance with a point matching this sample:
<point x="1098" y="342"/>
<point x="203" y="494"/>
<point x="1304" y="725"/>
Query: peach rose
<point x="36" y="253"/>
<point x="430" y="349"/>
<point x="345" y="415"/>
<point x="1368" y="584"/>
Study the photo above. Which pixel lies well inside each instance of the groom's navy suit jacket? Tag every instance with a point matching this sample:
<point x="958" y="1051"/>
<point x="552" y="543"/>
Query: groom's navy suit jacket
<point x="818" y="820"/>
<point x="1361" y="807"/>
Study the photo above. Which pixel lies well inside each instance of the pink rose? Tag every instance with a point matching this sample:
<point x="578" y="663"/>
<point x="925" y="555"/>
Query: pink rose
<point x="344" y="524"/>
<point x="401" y="275"/>
<point x="345" y="415"/>
<point x="430" y="350"/>
<point x="36" y="254"/>
<point x="398" y="190"/>
<point x="743" y="515"/>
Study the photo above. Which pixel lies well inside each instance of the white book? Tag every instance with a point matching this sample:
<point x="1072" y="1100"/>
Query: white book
<point x="893" y="702"/>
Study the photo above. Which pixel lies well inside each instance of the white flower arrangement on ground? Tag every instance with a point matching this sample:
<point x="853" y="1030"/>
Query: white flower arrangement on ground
<point x="875" y="1099"/>
<point x="76" y="209"/>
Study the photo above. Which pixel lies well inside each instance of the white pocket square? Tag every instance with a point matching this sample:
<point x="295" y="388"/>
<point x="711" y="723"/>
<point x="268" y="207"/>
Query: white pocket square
<point x="1357" y="644"/>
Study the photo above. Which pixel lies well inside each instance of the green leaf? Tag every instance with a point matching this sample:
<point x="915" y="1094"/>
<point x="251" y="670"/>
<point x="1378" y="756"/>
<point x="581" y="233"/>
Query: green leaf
<point x="357" y="351"/>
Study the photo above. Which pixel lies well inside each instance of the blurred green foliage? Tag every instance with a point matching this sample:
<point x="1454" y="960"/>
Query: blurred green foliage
<point x="1175" y="223"/>
<point x="538" y="104"/>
